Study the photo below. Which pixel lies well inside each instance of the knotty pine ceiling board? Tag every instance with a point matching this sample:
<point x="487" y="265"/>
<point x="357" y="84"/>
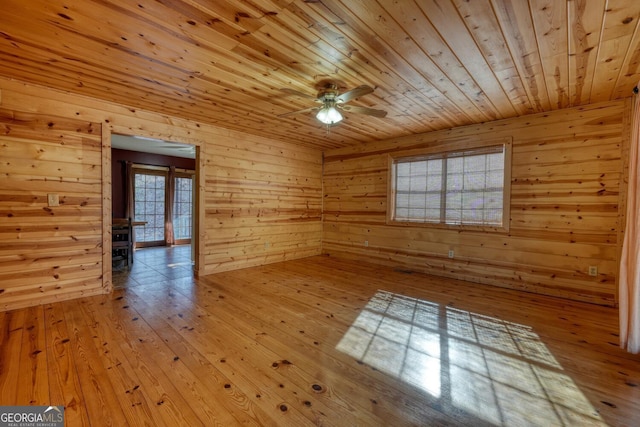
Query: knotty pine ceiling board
<point x="434" y="64"/>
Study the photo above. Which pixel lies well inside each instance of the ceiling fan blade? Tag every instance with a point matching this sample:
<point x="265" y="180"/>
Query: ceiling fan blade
<point x="305" y="110"/>
<point x="354" y="93"/>
<point x="172" y="147"/>
<point x="298" y="93"/>
<point x="363" y="110"/>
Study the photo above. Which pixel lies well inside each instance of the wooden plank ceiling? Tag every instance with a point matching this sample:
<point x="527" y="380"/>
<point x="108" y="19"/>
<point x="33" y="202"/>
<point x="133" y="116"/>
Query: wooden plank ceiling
<point x="434" y="64"/>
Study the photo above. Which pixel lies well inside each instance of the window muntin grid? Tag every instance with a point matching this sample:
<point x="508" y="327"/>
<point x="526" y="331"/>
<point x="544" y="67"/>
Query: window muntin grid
<point x="455" y="188"/>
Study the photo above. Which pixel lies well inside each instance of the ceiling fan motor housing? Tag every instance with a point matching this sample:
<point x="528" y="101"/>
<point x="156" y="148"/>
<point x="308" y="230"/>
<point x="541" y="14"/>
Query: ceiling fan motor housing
<point x="329" y="93"/>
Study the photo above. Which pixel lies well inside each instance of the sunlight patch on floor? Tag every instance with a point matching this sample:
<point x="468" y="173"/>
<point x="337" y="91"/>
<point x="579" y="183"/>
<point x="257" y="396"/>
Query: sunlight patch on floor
<point x="493" y="369"/>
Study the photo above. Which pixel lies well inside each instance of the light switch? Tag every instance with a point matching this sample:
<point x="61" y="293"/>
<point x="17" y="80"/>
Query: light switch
<point x="53" y="199"/>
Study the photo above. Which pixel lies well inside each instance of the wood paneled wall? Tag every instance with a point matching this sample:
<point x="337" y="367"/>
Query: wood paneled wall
<point x="263" y="204"/>
<point x="567" y="206"/>
<point x="49" y="251"/>
<point x="260" y="200"/>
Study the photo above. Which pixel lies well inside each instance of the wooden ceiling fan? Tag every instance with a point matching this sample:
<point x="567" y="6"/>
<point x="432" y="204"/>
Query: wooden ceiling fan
<point x="332" y="101"/>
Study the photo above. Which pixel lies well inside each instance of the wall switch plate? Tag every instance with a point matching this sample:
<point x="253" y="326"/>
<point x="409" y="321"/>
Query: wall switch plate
<point x="53" y="199"/>
<point x="450" y="253"/>
<point x="366" y="243"/>
<point x="593" y="270"/>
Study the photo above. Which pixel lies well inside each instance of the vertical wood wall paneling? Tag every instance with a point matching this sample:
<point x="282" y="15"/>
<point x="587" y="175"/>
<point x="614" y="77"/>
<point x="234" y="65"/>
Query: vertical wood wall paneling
<point x="260" y="198"/>
<point x="566" y="206"/>
<point x="49" y="252"/>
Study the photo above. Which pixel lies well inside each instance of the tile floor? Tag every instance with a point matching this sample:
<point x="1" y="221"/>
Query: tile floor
<point x="155" y="265"/>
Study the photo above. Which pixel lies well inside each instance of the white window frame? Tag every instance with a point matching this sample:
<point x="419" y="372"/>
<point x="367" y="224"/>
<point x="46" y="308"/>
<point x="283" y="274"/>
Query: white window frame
<point x="460" y="149"/>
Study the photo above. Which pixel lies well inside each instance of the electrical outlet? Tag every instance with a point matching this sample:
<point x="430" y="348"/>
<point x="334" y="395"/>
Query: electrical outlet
<point x="266" y="245"/>
<point x="450" y="253"/>
<point x="53" y="199"/>
<point x="366" y="243"/>
<point x="593" y="270"/>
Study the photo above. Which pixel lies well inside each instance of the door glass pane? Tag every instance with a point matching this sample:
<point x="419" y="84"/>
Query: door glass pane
<point x="149" y="206"/>
<point x="182" y="208"/>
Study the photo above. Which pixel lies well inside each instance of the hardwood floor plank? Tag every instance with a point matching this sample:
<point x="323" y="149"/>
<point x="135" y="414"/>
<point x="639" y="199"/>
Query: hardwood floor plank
<point x="174" y="375"/>
<point x="486" y="299"/>
<point x="281" y="368"/>
<point x="64" y="381"/>
<point x="240" y="353"/>
<point x="561" y="305"/>
<point x="33" y="388"/>
<point x="10" y="350"/>
<point x="101" y="398"/>
<point x="154" y="398"/>
<point x="319" y="341"/>
<point x="228" y="403"/>
<point x="312" y="342"/>
<point x="342" y="378"/>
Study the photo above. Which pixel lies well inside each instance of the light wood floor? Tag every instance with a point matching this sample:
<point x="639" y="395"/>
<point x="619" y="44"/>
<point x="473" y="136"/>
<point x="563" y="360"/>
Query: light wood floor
<point x="317" y="341"/>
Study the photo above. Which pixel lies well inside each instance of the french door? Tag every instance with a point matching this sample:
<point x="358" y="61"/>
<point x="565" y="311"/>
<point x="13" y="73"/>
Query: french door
<point x="163" y="206"/>
<point x="182" y="207"/>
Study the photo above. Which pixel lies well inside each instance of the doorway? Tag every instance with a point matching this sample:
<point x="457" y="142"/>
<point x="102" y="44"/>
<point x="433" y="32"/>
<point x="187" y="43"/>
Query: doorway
<point x="153" y="181"/>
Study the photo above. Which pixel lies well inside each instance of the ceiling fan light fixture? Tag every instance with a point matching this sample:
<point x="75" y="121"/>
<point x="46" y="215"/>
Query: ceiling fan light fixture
<point x="332" y="102"/>
<point x="329" y="115"/>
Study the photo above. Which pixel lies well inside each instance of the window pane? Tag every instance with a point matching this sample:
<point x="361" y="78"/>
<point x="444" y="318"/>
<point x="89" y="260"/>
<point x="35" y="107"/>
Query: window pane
<point x="434" y="182"/>
<point x="403" y="169"/>
<point x="454" y="200"/>
<point x="474" y="181"/>
<point x="454" y="181"/>
<point x="474" y="163"/>
<point x="182" y="208"/>
<point x="403" y="183"/>
<point x="402" y="199"/>
<point x="432" y="215"/>
<point x="495" y="161"/>
<point x="495" y="179"/>
<point x="417" y="200"/>
<point x="455" y="164"/>
<point x="149" y="206"/>
<point x="416" y="213"/>
<point x="419" y="184"/>
<point x="433" y="200"/>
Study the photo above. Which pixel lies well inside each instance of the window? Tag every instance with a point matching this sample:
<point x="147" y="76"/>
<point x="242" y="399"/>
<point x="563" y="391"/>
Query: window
<point x="465" y="188"/>
<point x="149" y="196"/>
<point x="182" y="207"/>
